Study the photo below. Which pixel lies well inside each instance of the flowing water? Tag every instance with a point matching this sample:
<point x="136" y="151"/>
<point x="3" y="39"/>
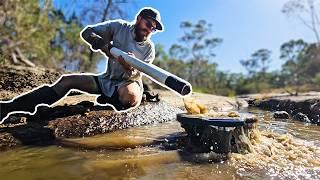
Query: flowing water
<point x="284" y="150"/>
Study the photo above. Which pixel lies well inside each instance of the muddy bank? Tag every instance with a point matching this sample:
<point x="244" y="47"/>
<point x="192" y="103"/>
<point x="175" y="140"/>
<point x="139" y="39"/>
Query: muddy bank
<point x="78" y="116"/>
<point x="305" y="107"/>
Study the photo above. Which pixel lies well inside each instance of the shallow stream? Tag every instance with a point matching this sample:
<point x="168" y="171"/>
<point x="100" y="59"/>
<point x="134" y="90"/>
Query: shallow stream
<point x="286" y="149"/>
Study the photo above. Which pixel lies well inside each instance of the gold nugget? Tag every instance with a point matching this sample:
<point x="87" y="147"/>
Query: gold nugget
<point x="193" y="107"/>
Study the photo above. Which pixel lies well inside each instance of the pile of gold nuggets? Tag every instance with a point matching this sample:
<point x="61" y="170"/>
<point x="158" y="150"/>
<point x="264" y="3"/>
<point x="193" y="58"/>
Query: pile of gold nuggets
<point x="199" y="109"/>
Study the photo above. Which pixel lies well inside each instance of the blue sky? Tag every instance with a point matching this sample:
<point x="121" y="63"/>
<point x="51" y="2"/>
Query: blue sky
<point x="245" y="26"/>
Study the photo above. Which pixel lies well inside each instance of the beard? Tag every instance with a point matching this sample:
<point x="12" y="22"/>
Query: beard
<point x="141" y="35"/>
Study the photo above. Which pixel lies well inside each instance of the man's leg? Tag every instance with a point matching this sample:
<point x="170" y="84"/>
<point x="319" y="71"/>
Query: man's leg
<point x="130" y="94"/>
<point x="80" y="82"/>
<point x="49" y="94"/>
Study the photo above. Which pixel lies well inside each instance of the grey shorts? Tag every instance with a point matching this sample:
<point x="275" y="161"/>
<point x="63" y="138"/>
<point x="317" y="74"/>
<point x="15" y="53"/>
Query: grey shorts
<point x="100" y="91"/>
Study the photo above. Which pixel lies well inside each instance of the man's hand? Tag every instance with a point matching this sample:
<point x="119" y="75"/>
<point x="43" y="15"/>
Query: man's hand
<point x="124" y="63"/>
<point x="105" y="50"/>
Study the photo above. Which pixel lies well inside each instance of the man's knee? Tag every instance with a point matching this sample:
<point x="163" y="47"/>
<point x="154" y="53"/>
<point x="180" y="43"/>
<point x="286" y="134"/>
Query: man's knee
<point x="131" y="100"/>
<point x="130" y="95"/>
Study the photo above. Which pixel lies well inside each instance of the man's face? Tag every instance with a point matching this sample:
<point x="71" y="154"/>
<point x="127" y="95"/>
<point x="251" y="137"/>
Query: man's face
<point x="144" y="28"/>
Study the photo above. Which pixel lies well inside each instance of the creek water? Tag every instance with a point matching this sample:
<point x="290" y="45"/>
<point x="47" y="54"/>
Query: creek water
<point x="286" y="149"/>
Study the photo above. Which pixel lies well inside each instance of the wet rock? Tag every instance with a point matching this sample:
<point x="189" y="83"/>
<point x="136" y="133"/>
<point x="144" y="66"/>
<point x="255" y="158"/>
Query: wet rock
<point x="82" y="119"/>
<point x="310" y="108"/>
<point x="302" y="117"/>
<point x="315" y="109"/>
<point x="7" y="141"/>
<point x="242" y="103"/>
<point x="28" y="134"/>
<point x="97" y="122"/>
<point x="281" y="115"/>
<point x="15" y="120"/>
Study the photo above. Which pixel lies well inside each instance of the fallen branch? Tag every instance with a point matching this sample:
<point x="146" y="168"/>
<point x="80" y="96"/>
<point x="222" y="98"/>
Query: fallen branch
<point x="24" y="59"/>
<point x="14" y="58"/>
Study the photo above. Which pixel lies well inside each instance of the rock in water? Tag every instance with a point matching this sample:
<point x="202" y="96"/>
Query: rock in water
<point x="302" y="117"/>
<point x="97" y="122"/>
<point x="281" y="115"/>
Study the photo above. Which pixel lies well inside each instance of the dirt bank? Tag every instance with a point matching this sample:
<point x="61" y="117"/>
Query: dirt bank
<point x="18" y="79"/>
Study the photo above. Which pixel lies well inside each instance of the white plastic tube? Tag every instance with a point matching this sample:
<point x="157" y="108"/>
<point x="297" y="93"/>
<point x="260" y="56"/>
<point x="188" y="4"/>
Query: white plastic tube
<point x="162" y="76"/>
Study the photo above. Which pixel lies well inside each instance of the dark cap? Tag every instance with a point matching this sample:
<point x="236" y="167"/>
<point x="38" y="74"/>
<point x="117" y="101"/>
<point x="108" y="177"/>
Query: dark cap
<point x="153" y="14"/>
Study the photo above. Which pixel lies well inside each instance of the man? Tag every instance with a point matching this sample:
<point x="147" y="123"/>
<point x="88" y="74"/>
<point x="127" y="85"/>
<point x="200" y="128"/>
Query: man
<point x="120" y="85"/>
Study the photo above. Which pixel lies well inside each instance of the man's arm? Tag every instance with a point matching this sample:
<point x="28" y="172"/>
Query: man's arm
<point x="93" y="38"/>
<point x="97" y="42"/>
<point x="100" y="35"/>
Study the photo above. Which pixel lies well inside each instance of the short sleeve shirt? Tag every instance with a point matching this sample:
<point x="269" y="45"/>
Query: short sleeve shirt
<point x="121" y="34"/>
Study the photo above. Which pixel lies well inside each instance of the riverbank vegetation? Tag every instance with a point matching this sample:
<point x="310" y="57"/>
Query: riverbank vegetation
<point x="42" y="33"/>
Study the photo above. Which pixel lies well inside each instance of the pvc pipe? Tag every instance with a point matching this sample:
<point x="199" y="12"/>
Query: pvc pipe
<point x="162" y="76"/>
